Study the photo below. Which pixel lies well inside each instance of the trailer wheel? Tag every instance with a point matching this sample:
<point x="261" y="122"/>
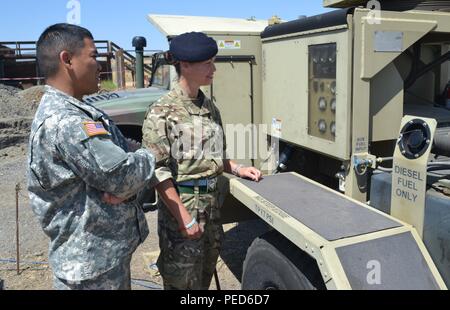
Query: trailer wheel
<point x="274" y="263"/>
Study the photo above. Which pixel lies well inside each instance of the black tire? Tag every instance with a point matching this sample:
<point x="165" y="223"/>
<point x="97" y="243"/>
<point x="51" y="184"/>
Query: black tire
<point x="274" y="263"/>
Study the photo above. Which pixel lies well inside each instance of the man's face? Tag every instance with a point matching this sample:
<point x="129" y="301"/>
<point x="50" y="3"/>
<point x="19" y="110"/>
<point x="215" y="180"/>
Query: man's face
<point x="86" y="69"/>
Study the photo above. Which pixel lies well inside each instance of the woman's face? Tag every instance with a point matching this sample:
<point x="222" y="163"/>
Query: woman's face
<point x="202" y="73"/>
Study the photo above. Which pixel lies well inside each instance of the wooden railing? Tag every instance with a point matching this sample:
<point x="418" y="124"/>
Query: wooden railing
<point x="107" y="51"/>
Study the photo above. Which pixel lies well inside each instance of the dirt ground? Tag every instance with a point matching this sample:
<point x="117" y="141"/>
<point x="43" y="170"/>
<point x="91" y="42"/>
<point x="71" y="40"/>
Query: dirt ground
<point x="35" y="273"/>
<point x="17" y="108"/>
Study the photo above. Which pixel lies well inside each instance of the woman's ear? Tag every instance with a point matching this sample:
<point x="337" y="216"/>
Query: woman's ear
<point x="185" y="65"/>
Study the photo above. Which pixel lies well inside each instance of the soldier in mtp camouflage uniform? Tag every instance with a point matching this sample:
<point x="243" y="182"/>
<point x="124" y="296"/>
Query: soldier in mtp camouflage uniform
<point x="81" y="178"/>
<point x="184" y="132"/>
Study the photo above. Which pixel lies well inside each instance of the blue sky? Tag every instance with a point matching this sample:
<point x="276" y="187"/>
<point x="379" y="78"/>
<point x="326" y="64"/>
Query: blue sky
<point x="121" y="20"/>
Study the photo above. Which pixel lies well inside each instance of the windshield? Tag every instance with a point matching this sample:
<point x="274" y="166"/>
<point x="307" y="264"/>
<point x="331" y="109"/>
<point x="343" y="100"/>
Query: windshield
<point x="160" y="72"/>
<point x="161" y="76"/>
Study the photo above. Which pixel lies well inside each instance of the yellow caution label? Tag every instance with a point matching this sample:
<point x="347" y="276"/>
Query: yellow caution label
<point x="229" y="44"/>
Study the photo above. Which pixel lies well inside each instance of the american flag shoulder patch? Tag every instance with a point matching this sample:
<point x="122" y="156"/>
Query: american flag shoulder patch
<point x="94" y="129"/>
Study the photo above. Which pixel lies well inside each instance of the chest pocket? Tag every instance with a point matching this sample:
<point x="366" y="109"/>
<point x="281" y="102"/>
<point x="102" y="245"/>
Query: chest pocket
<point x="185" y="140"/>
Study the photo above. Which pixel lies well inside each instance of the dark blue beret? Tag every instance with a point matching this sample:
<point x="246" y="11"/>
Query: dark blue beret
<point x="193" y="47"/>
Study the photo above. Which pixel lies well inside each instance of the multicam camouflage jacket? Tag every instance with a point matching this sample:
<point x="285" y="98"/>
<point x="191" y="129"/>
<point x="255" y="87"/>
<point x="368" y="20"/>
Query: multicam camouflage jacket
<point x="186" y="137"/>
<point x="76" y="154"/>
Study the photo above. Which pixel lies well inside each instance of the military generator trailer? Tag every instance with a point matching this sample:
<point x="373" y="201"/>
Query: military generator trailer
<point x="358" y="106"/>
<point x="343" y="113"/>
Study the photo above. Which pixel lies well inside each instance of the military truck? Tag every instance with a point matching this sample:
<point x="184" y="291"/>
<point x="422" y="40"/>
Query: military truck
<point x="358" y="143"/>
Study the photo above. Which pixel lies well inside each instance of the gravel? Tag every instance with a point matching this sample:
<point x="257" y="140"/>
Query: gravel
<point x="17" y="109"/>
<point x="17" y="103"/>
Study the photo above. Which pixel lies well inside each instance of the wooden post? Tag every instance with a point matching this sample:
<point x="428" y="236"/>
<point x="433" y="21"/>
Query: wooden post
<point x="120" y="69"/>
<point x="17" y="229"/>
<point x="2" y="67"/>
<point x="109" y="67"/>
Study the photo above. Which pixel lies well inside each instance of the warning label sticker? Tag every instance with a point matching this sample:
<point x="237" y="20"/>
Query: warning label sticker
<point x="276" y="128"/>
<point x="229" y="44"/>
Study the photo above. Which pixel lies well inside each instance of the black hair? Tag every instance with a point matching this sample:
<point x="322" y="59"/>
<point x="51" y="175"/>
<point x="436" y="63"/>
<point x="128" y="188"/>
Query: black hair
<point x="171" y="61"/>
<point x="54" y="40"/>
<point x="178" y="68"/>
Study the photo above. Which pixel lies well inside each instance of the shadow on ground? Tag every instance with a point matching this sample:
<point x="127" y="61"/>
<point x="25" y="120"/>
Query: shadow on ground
<point x="237" y="240"/>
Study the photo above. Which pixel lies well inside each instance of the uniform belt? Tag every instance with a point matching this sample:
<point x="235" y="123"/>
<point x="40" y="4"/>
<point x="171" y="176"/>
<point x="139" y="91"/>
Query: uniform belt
<point x="202" y="185"/>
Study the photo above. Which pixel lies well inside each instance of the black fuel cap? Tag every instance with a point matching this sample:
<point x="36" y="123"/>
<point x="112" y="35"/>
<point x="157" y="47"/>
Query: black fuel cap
<point x="415" y="139"/>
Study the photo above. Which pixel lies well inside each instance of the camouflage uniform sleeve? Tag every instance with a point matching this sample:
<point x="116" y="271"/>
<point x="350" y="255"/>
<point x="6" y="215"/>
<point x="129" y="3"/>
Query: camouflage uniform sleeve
<point x="127" y="144"/>
<point x="120" y="139"/>
<point x="155" y="139"/>
<point x="101" y="163"/>
<point x="119" y="136"/>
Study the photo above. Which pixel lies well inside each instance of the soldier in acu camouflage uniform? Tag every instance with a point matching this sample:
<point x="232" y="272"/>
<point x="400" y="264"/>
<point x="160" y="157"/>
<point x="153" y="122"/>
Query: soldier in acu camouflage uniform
<point x="184" y="131"/>
<point x="81" y="178"/>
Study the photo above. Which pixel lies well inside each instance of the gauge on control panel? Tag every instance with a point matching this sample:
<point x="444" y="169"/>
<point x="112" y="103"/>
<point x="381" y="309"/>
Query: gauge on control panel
<point x="333" y="128"/>
<point x="332" y="57"/>
<point x="322" y="104"/>
<point x="333" y="105"/>
<point x="322" y="126"/>
<point x="333" y="87"/>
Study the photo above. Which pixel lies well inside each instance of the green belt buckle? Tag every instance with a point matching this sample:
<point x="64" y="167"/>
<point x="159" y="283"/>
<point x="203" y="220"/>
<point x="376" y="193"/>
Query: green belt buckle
<point x="191" y="190"/>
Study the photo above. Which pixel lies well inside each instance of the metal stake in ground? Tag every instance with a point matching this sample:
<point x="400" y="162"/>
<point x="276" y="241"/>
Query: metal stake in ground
<point x="17" y="228"/>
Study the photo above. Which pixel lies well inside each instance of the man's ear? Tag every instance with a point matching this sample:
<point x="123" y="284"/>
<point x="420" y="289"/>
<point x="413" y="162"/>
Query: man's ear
<point x="65" y="58"/>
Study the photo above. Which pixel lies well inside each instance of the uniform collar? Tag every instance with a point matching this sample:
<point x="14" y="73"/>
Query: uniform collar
<point x="193" y="106"/>
<point x="93" y="112"/>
